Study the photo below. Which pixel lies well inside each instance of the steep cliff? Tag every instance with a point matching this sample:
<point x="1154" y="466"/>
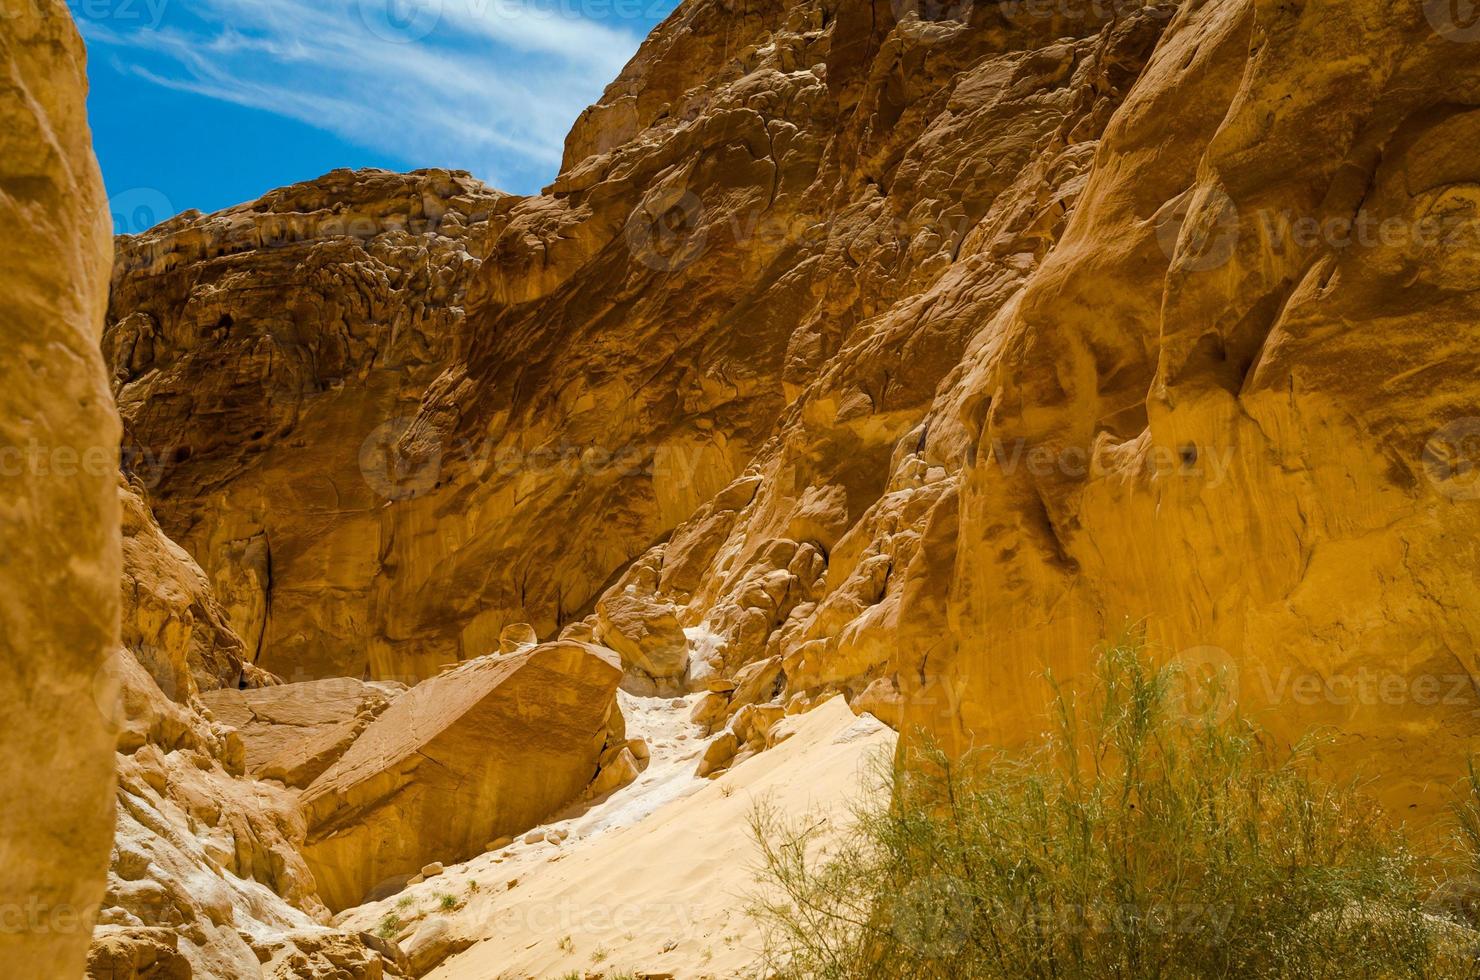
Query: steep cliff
<point x="264" y="359"/>
<point x="59" y="539"/>
<point x="895" y="351"/>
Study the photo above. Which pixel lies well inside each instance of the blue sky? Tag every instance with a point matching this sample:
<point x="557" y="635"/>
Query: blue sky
<point x="209" y="103"/>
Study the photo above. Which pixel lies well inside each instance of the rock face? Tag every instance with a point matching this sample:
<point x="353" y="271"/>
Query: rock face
<point x="485" y="750"/>
<point x="58" y="507"/>
<point x="200" y="851"/>
<point x="265" y="361"/>
<point x="896" y="355"/>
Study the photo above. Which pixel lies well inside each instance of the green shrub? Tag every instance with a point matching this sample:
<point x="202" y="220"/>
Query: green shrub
<point x="389" y="926"/>
<point x="1136" y="842"/>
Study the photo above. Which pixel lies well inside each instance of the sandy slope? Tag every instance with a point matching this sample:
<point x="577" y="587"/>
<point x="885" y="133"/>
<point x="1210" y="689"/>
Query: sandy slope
<point x="656" y="878"/>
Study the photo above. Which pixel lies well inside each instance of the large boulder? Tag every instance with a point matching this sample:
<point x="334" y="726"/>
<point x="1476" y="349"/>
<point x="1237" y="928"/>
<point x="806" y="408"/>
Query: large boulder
<point x="647" y="634"/>
<point x="294" y="732"/>
<point x="487" y="749"/>
<point x="60" y="561"/>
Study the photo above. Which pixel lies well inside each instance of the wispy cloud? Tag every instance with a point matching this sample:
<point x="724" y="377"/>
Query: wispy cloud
<point x="492" y="85"/>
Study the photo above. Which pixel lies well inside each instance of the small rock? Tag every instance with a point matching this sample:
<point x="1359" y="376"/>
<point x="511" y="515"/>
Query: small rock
<point x="719" y="754"/>
<point x="389" y="950"/>
<point x="499" y="844"/>
<point x="432" y="870"/>
<point x="534" y="837"/>
<point x="431" y="944"/>
<point x="709" y="711"/>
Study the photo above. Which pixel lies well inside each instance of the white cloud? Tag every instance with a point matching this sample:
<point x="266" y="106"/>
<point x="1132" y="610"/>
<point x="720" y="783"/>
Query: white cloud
<point x="492" y="85"/>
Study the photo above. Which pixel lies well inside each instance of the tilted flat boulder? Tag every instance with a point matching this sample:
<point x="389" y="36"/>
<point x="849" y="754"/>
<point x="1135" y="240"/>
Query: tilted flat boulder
<point x="294" y="732"/>
<point x="487" y="749"/>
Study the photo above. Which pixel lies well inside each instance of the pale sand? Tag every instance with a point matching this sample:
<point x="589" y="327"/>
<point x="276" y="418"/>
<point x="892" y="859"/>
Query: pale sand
<point x="656" y="879"/>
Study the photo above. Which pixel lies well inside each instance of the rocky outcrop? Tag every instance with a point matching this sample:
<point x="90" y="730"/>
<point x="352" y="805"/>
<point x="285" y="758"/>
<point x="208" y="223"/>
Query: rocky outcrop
<point x="482" y="751"/>
<point x="647" y="635"/>
<point x="58" y="507"/>
<point x="266" y="360"/>
<point x="200" y="851"/>
<point x="906" y="353"/>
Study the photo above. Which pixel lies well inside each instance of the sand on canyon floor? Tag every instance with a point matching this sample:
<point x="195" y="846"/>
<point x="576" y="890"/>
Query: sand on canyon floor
<point x="655" y="879"/>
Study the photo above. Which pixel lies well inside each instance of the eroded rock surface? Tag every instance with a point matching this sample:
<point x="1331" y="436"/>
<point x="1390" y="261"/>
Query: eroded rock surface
<point x="906" y="358"/>
<point x="485" y="750"/>
<point x="266" y="361"/>
<point x="202" y="852"/>
<point x="59" y="537"/>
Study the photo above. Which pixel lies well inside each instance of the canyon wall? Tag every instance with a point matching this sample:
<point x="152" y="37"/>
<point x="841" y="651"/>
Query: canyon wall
<point x="900" y="351"/>
<point x="59" y="572"/>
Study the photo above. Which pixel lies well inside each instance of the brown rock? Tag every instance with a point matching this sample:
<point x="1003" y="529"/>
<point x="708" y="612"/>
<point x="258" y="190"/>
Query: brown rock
<point x="323" y="308"/>
<point x="710" y="710"/>
<point x="718" y="754"/>
<point x="645" y="633"/>
<point x="433" y="942"/>
<point x="516" y="637"/>
<point x="484" y="750"/>
<point x="175" y="626"/>
<point x="59" y="519"/>
<point x="757" y="683"/>
<point x="320" y="955"/>
<point x="617" y="770"/>
<point x="294" y="732"/>
<point x="137" y="954"/>
<point x="752" y="723"/>
<point x="390" y="952"/>
<point x="882" y="700"/>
